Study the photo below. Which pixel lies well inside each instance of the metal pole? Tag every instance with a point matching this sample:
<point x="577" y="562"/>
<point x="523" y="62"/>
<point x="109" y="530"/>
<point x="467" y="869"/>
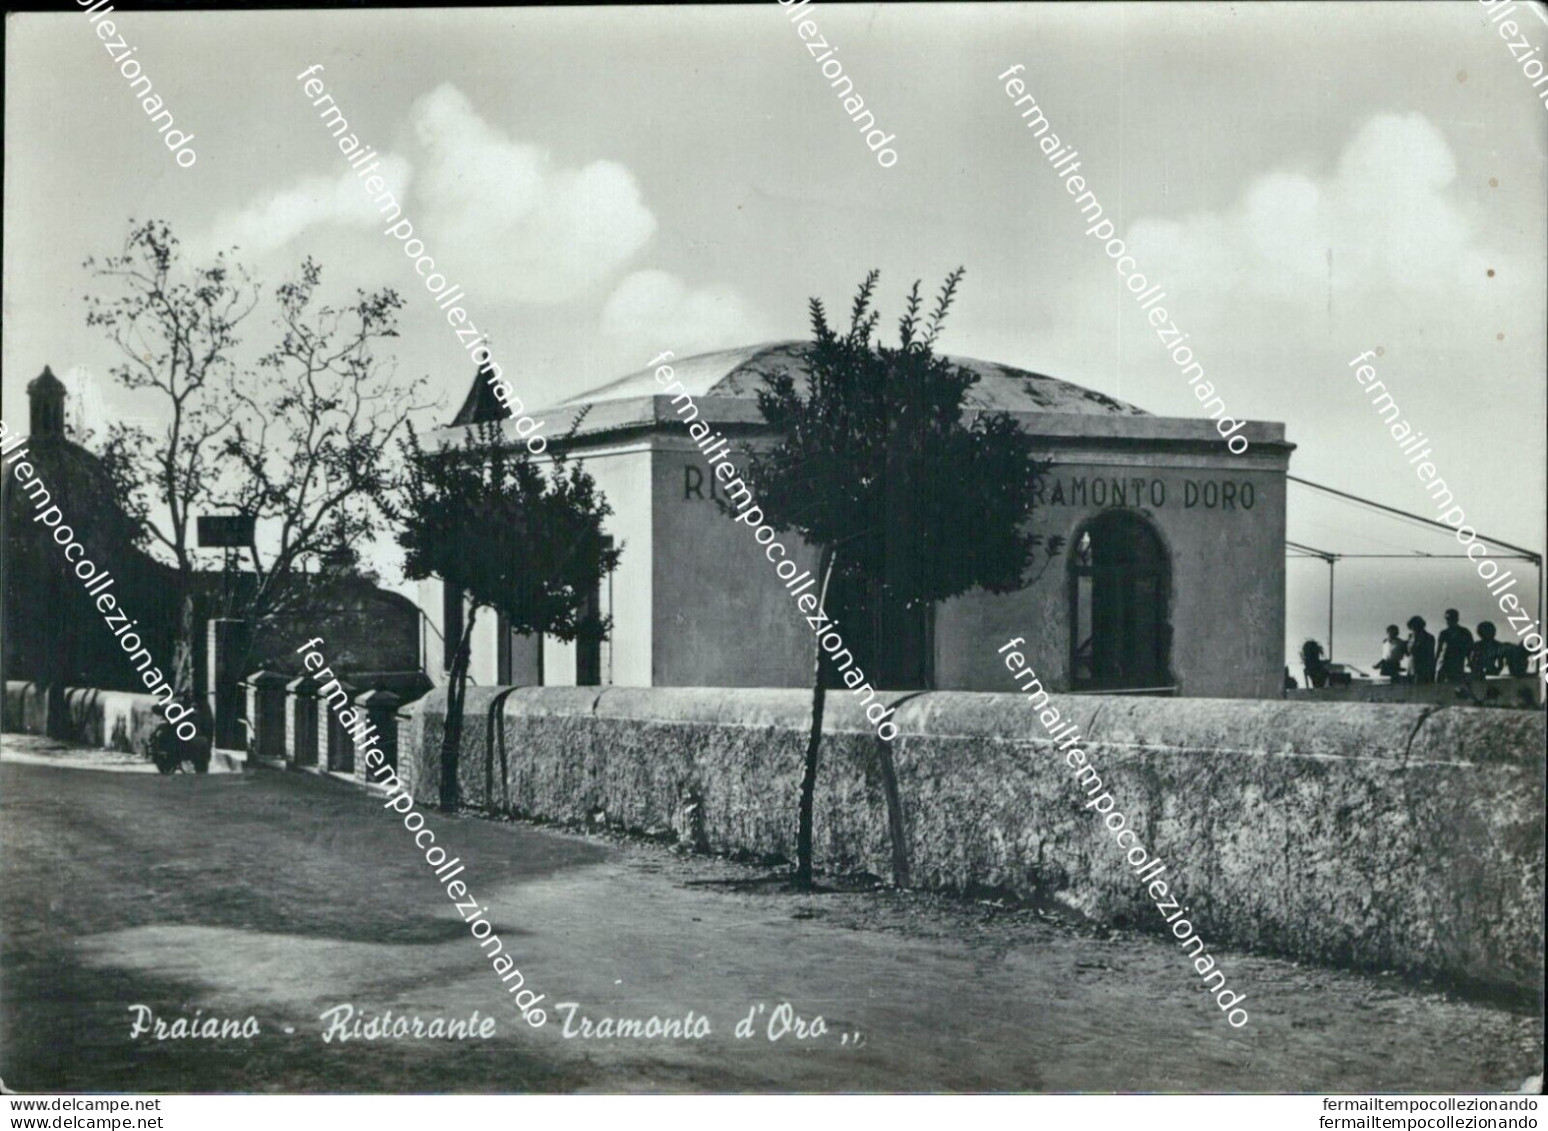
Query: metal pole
<point x="1533" y="554"/>
<point x="1330" y="610"/>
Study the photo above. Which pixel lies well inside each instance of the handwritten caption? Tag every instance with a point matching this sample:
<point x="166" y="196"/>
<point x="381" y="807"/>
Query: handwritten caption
<point x="344" y="1023"/>
<point x="782" y="1022"/>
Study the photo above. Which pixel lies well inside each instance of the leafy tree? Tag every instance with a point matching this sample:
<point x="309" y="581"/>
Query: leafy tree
<point x="491" y="522"/>
<point x="905" y="489"/>
<point x="300" y="445"/>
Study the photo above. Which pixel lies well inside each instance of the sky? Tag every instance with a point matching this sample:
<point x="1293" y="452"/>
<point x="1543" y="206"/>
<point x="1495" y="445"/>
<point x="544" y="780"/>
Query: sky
<point x="1307" y="181"/>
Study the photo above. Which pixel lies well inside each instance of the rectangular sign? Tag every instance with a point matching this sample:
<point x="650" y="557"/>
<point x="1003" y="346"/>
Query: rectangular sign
<point x="217" y="530"/>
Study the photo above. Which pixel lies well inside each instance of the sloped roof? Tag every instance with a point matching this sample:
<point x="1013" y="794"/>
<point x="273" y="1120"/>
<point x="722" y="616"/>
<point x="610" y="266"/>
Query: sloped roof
<point x="480" y="404"/>
<point x="737" y="373"/>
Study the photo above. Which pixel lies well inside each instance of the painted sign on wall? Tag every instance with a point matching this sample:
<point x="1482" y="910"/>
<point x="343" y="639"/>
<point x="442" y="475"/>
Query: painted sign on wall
<point x="1141" y="491"/>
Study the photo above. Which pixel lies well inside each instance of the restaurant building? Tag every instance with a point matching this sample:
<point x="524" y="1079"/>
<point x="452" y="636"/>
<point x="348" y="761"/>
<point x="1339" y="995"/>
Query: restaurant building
<point x="1171" y="581"/>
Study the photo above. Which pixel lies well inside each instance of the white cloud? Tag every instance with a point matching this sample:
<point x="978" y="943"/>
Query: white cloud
<point x="1382" y="245"/>
<point x="517" y="222"/>
<point x="267" y="225"/>
<point x="85" y="407"/>
<point x="1383" y="219"/>
<point x="656" y="308"/>
<point x="503" y="218"/>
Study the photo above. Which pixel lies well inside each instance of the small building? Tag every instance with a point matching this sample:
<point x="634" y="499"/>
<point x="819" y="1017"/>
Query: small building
<point x="1171" y="580"/>
<point x="53" y="632"/>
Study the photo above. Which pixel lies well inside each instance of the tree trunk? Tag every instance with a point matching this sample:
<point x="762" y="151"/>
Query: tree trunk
<point x="494" y="739"/>
<point x="456" y="694"/>
<point x="185" y="679"/>
<point x="803" y="876"/>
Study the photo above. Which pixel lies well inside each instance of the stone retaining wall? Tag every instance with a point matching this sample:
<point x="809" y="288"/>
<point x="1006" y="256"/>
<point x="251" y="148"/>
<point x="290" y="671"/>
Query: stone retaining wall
<point x="1389" y="837"/>
<point x="91" y="717"/>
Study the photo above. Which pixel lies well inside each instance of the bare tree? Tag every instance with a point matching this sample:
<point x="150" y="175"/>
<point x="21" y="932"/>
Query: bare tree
<point x="176" y="328"/>
<point x="302" y="443"/>
<point x="313" y="436"/>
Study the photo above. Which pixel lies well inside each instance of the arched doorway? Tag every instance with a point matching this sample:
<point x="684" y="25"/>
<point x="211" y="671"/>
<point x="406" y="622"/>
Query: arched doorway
<point x="1120" y="592"/>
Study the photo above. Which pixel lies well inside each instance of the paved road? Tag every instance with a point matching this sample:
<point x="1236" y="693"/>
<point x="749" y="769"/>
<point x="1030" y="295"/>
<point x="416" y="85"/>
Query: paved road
<point x="282" y="895"/>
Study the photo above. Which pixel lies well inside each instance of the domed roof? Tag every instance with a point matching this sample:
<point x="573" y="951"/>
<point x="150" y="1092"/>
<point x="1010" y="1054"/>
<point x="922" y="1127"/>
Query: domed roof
<point x="78" y="482"/>
<point x="737" y="373"/>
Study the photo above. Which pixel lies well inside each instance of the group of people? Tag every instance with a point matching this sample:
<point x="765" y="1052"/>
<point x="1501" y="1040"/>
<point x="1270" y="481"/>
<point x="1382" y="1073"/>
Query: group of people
<point x="1454" y="657"/>
<point x="1450" y="658"/>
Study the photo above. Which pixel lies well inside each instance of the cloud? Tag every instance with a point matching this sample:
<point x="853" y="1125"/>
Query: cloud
<point x="658" y="310"/>
<point x="1381" y="243"/>
<point x="1382" y="219"/>
<point x="504" y="218"/>
<point x="519" y="223"/>
<point x="85" y="407"/>
<point x="268" y="225"/>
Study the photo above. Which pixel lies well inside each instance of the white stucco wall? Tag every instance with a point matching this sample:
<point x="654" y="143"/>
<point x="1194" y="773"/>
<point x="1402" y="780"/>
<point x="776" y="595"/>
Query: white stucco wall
<point x="696" y="600"/>
<point x="1227" y="588"/>
<point x="723" y="616"/>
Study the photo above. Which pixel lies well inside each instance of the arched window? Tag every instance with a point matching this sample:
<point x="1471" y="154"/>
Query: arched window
<point x="1120" y="591"/>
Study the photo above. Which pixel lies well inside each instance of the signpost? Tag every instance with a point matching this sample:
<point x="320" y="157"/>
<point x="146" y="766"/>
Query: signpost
<point x="229" y="531"/>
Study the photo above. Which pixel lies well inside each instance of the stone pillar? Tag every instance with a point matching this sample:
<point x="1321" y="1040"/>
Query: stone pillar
<point x="407" y="759"/>
<point x="301" y="721"/>
<point x="321" y="734"/>
<point x="56" y="713"/>
<point x="228" y="645"/>
<point x="335" y="740"/>
<point x="380" y="710"/>
<point x="266" y="715"/>
<point x="55" y="660"/>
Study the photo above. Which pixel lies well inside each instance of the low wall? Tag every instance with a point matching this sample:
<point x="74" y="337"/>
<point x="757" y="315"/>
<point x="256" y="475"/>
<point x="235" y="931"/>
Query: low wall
<point x="1523" y="692"/>
<point x="92" y="717"/>
<point x="1392" y="837"/>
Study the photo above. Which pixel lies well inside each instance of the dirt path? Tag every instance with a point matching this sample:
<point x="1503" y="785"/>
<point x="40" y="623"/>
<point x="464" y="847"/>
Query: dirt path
<point x="281" y="895"/>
